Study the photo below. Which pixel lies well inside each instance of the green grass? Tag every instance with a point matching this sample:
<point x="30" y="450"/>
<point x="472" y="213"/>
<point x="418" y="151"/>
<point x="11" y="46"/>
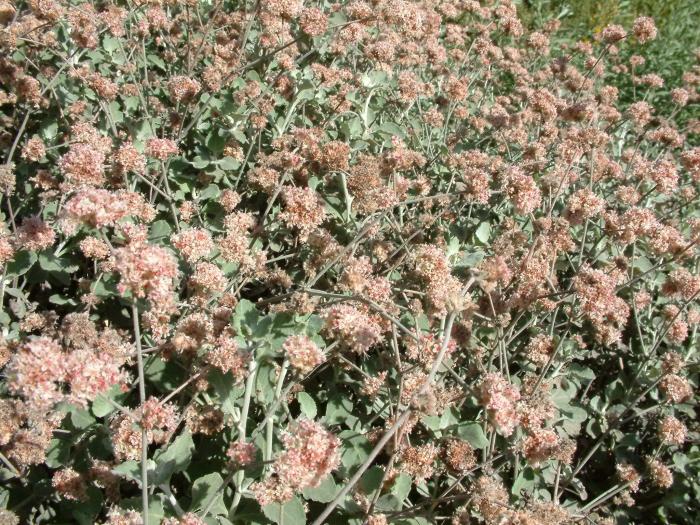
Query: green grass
<point x="670" y="55"/>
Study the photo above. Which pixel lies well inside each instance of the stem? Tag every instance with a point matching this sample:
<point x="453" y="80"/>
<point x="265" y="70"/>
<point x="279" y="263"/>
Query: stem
<point x="270" y="424"/>
<point x="400" y="421"/>
<point x="605" y="496"/>
<point x="249" y="386"/>
<point x="142" y="398"/>
<point x="9" y="465"/>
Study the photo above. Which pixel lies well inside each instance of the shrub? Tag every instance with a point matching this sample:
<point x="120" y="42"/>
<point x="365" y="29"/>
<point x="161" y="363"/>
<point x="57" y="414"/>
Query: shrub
<point x="386" y="262"/>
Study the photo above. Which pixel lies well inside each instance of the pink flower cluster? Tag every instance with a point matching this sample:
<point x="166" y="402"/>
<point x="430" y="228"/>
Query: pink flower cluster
<point x="228" y="357"/>
<point x="161" y="149"/>
<point x="193" y="244"/>
<point x="98" y="208"/>
<point x="303" y="210"/>
<point x="83" y="165"/>
<point x="41" y="367"/>
<point x="34" y="234"/>
<point x="310" y="454"/>
<point x="241" y="453"/>
<point x="354" y="327"/>
<point x="149" y="271"/>
<point x="146" y="271"/>
<point x="443" y="290"/>
<point x="500" y="398"/>
<point x="158" y="419"/>
<point x="303" y="354"/>
<point x="607" y="312"/>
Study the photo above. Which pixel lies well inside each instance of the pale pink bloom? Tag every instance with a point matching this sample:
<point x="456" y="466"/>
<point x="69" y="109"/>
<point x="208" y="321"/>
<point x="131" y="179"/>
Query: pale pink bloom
<point x="644" y="29"/>
<point x="34" y="234"/>
<point x="310" y="454"/>
<point x="193" y="243"/>
<point x="241" y="453"/>
<point x="161" y="149"/>
<point x="499" y="398"/>
<point x="303" y="354"/>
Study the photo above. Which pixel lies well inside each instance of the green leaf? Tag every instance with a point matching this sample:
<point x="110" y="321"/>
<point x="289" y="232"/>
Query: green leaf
<point x="291" y="513"/>
<point x="210" y="192"/>
<point x="160" y="230"/>
<point x="101" y="405"/>
<point x="110" y="44"/>
<point x="414" y="521"/>
<point x="431" y="422"/>
<point x="131" y="470"/>
<point x="245" y="317"/>
<point x="155" y="508"/>
<point x="338" y="410"/>
<point x="21" y="263"/>
<point x="643" y="264"/>
<point x="313" y="325"/>
<point x="388" y="502"/>
<point x="207" y="489"/>
<point x="324" y="493"/>
<point x="351" y="128"/>
<point x="524" y="482"/>
<point x="58" y="267"/>
<point x="50" y="131"/>
<point x="402" y="487"/>
<point x="58" y="453"/>
<point x="81" y="418"/>
<point x="175" y="458"/>
<point x="355" y="448"/>
<point x="307" y="404"/>
<point x="166" y="375"/>
<point x="483" y="232"/>
<point x="374" y="78"/>
<point x="581" y="372"/>
<point x="470" y="259"/>
<point x="199" y="163"/>
<point x="226" y="389"/>
<point x="229" y="163"/>
<point x="307" y="91"/>
<point x="263" y="328"/>
<point x="391" y="129"/>
<point x="85" y="512"/>
<point x="157" y="61"/>
<point x="116" y="112"/>
<point x="60" y="300"/>
<point x="216" y="142"/>
<point x="474" y="434"/>
<point x="372" y="479"/>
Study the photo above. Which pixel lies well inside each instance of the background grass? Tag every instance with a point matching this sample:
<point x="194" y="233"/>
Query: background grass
<point x="672" y="54"/>
<point x="678" y="21"/>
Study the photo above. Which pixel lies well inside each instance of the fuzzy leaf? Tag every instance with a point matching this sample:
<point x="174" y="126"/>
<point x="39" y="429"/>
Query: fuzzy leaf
<point x="291" y="513"/>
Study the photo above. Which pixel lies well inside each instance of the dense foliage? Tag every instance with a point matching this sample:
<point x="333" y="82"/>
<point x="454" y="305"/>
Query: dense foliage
<point x="360" y="262"/>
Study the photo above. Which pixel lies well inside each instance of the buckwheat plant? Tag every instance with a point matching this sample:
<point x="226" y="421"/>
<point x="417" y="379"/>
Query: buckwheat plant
<point x="367" y="262"/>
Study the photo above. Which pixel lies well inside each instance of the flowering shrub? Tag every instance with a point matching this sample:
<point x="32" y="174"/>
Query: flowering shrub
<point x="388" y="262"/>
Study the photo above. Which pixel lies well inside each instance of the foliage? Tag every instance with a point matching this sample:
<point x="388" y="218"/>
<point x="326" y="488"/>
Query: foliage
<point x="668" y="55"/>
<point x="389" y="262"/>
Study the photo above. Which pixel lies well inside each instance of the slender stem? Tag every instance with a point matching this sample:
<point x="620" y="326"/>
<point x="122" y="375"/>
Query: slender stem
<point x="181" y="387"/>
<point x="249" y="386"/>
<point x="142" y="398"/>
<point x="368" y="462"/>
<point x="213" y="498"/>
<point x="11" y="153"/>
<point x="400" y="421"/>
<point x="557" y="477"/>
<point x="9" y="465"/>
<point x="605" y="496"/>
<point x="270" y="425"/>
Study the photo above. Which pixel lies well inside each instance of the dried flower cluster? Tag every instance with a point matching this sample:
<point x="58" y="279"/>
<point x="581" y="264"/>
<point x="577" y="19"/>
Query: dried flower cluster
<point x="310" y="454"/>
<point x="354" y="262"/>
